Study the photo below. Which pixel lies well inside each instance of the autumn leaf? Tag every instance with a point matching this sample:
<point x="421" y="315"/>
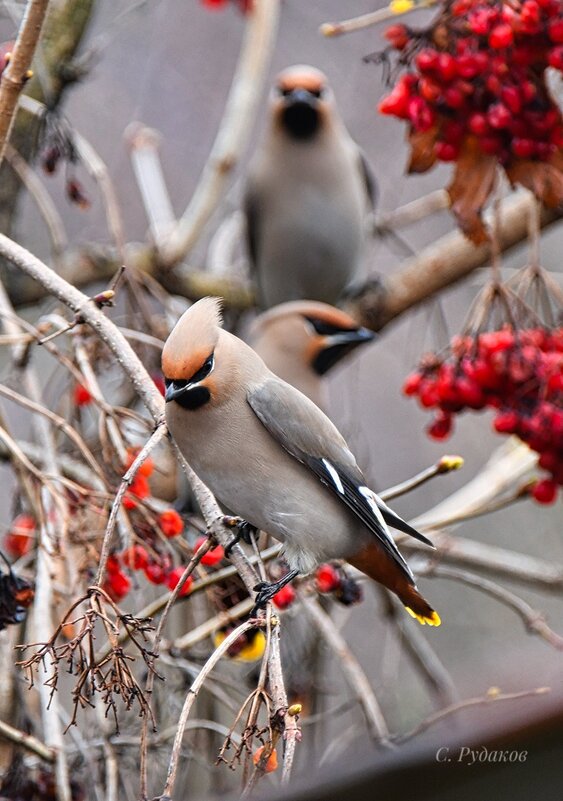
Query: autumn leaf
<point x="543" y="178"/>
<point x="422" y="156"/>
<point x="470" y="188"/>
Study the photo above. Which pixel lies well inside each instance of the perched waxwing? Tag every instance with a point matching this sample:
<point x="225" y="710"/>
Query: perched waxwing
<point x="274" y="458"/>
<point x="300" y="341"/>
<point x="307" y="196"/>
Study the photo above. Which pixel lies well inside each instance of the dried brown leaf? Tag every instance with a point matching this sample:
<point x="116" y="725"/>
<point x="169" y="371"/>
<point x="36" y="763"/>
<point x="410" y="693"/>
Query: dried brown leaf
<point x="472" y="183"/>
<point x="422" y="155"/>
<point x="543" y="178"/>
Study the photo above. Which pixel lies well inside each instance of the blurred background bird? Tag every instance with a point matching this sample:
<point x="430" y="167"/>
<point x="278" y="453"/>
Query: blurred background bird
<point x="302" y="340"/>
<point x="307" y="197"/>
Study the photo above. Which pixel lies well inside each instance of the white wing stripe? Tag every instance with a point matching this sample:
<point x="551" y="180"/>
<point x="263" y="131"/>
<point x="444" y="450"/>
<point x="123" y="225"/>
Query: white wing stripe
<point x="334" y="476"/>
<point x="370" y="497"/>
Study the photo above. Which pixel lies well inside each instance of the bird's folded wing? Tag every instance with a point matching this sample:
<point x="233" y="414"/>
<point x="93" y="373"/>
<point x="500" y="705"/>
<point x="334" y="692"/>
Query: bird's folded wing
<point x="252" y="222"/>
<point x="309" y="436"/>
<point x="368" y="178"/>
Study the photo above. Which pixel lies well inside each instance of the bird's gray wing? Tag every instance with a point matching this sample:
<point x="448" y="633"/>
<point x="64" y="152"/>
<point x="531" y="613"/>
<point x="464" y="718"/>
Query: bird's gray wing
<point x="369" y="179"/>
<point x="250" y="208"/>
<point x="309" y="436"/>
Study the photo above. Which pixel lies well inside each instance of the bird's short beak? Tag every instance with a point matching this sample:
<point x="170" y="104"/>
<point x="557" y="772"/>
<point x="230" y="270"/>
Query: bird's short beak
<point x="363" y="335"/>
<point x="356" y="337"/>
<point x="173" y="391"/>
<point x="336" y="346"/>
<point x="301" y="97"/>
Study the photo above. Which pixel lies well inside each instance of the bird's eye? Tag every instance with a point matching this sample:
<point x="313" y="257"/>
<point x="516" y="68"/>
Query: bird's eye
<point x="204" y="370"/>
<point x="327" y="329"/>
<point x="318" y="93"/>
<point x="177" y="382"/>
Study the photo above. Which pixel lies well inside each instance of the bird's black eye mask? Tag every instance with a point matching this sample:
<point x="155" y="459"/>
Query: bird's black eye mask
<point x="327" y="329"/>
<point x="186" y="391"/>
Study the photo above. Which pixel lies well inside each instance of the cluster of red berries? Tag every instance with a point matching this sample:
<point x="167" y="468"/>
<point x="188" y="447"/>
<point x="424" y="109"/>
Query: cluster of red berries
<point x="479" y="72"/>
<point x="157" y="569"/>
<point x="19" y="539"/>
<point x="328" y="579"/>
<point x="517" y="373"/>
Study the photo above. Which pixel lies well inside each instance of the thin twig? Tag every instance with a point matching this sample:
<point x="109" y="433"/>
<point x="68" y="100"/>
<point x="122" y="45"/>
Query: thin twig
<point x="394" y="9"/>
<point x="444" y="465"/>
<point x="488" y="700"/>
<point x="42" y="198"/>
<point x="533" y="620"/>
<point x="156" y="438"/>
<point x="100" y="173"/>
<point x="421" y="653"/>
<point x="412" y="212"/>
<point x="27" y="741"/>
<point x="192" y="695"/>
<point x="193" y="563"/>
<point x="353" y="672"/>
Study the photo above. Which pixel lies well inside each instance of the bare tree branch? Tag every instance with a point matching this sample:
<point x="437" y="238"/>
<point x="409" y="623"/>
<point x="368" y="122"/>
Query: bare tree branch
<point x="440" y="265"/>
<point x="15" y="75"/>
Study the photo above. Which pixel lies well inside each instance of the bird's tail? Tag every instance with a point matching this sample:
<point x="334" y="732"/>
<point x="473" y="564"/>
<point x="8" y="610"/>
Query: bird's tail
<point x="418" y="607"/>
<point x="379" y="566"/>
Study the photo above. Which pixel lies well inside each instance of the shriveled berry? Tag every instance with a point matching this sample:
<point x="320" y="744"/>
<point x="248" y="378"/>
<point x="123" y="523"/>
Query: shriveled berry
<point x="349" y="592"/>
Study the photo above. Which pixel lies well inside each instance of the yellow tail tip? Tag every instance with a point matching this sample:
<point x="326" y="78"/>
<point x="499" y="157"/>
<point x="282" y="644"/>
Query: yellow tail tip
<point x="432" y="619"/>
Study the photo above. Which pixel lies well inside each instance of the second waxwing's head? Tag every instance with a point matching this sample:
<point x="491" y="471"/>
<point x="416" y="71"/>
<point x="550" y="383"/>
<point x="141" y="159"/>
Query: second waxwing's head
<point x="188" y="356"/>
<point x="302" y="102"/>
<point x="309" y="333"/>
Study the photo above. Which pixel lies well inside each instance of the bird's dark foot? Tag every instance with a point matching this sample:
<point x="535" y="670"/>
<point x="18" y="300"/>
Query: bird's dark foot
<point x="265" y="591"/>
<point x="244" y="531"/>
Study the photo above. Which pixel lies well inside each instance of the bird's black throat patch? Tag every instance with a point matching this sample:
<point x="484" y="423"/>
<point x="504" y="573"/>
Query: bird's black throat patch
<point x="328" y="357"/>
<point x="193" y="398"/>
<point x="301" y="120"/>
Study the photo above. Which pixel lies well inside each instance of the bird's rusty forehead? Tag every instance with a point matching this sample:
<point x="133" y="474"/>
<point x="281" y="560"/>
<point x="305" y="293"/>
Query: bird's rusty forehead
<point x="182" y="364"/>
<point x="333" y="316"/>
<point x="311" y="80"/>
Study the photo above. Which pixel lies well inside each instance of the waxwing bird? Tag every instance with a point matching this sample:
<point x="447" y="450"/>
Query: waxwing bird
<point x="300" y="341"/>
<point x="272" y="456"/>
<point x="307" y="196"/>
